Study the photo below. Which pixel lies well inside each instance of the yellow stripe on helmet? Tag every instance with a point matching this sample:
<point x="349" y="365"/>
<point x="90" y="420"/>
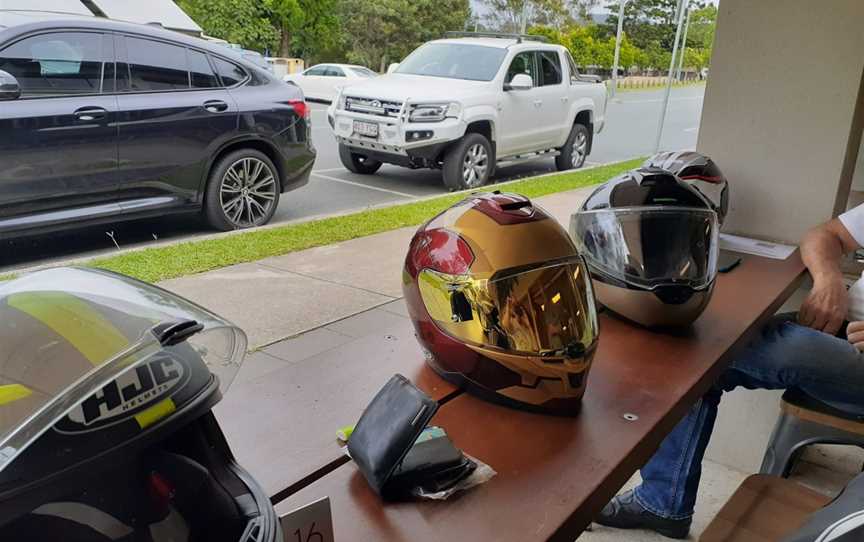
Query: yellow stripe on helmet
<point x="75" y="320"/>
<point x="148" y="417"/>
<point x="13" y="392"/>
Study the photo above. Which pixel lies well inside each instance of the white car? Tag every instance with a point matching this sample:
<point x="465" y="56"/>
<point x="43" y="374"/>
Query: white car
<point x="468" y="104"/>
<point x="323" y="81"/>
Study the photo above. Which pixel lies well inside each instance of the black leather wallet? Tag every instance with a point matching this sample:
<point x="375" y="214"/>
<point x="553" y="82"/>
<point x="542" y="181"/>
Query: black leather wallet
<point x="388" y="429"/>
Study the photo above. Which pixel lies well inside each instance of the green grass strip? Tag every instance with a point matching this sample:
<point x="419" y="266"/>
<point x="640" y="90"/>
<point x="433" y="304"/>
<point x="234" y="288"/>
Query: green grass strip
<point x="162" y="263"/>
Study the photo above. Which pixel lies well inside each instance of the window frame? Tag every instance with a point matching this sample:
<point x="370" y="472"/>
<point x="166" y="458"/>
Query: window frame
<point x="246" y="75"/>
<point x="572" y="68"/>
<point x="219" y="82"/>
<point x="107" y="41"/>
<point x="555" y="54"/>
<point x="535" y="75"/>
<point x="125" y="36"/>
<point x="122" y="58"/>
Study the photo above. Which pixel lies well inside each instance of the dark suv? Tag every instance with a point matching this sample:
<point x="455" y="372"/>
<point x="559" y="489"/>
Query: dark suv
<point x="103" y="121"/>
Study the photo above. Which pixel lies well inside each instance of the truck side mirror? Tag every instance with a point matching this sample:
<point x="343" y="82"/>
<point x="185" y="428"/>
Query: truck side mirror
<point x="520" y="81"/>
<point x="9" y="87"/>
<point x="392" y="67"/>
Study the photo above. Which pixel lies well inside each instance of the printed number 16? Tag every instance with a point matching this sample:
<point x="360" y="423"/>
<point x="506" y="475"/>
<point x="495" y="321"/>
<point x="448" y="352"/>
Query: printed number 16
<point x="311" y="536"/>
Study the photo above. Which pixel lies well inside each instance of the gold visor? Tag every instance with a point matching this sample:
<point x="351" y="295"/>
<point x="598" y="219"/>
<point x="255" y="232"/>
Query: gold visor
<point x="543" y="311"/>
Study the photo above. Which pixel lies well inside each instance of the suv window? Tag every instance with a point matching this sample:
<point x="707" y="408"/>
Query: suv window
<point x="522" y="63"/>
<point x="200" y="70"/>
<point x="316" y="70"/>
<point x="230" y="73"/>
<point x="550" y="68"/>
<point x="58" y="64"/>
<point x="154" y="65"/>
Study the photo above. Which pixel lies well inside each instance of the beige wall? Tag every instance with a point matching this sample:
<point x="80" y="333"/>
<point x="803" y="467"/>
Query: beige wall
<point x="779" y="109"/>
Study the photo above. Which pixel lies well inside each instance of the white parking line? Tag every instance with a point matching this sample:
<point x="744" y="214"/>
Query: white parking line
<point x="328" y="170"/>
<point x="338" y="180"/>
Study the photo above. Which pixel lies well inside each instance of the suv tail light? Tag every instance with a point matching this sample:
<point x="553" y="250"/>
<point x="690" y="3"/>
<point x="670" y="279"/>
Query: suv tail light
<point x="301" y="108"/>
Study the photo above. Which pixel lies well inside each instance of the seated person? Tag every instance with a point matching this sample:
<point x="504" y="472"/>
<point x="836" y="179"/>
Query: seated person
<point x="808" y="350"/>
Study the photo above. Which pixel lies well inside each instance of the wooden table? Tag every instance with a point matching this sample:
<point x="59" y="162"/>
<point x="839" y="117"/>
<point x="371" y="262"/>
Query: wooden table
<point x="282" y="426"/>
<point x="554" y="474"/>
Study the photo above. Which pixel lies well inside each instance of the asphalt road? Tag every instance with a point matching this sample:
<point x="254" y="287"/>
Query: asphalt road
<point x="630" y="131"/>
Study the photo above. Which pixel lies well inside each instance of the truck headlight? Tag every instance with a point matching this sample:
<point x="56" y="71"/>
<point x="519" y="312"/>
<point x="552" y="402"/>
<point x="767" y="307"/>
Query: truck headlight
<point x="434" y="112"/>
<point x="340" y="101"/>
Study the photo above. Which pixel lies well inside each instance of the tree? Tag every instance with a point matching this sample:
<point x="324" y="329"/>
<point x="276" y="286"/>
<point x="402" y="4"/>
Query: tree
<point x="305" y="26"/>
<point x="506" y="15"/>
<point x="380" y="31"/>
<point x="647" y="21"/>
<point x="236" y="21"/>
<point x="702" y="24"/>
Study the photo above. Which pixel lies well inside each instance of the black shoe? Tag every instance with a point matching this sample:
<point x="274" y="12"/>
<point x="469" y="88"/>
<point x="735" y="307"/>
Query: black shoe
<point x="623" y="512"/>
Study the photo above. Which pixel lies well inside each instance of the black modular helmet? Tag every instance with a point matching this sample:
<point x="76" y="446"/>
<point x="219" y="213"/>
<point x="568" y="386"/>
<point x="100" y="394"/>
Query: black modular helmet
<point x="106" y="429"/>
<point x="700" y="172"/>
<point x="651" y="243"/>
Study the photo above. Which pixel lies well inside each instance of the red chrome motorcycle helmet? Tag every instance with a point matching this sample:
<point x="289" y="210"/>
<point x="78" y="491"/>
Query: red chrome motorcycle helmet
<point x="502" y="303"/>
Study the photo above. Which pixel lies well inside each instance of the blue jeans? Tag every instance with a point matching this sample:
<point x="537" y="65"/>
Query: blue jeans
<point x="785" y="355"/>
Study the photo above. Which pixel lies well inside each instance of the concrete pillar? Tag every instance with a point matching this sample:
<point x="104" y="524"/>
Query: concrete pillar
<point x="783" y="111"/>
<point x="782" y="116"/>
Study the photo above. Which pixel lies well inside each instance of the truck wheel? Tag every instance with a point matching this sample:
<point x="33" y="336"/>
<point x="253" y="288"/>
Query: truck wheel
<point x="468" y="163"/>
<point x="357" y="163"/>
<point x="575" y="150"/>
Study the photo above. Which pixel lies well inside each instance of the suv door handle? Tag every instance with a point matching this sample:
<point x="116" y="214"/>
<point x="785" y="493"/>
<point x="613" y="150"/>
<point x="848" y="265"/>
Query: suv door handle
<point x="215" y="106"/>
<point x="565" y="99"/>
<point x="538" y="103"/>
<point x="90" y="113"/>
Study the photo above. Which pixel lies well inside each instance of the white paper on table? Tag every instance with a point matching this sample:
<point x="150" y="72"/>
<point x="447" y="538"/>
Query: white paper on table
<point x="756" y="247"/>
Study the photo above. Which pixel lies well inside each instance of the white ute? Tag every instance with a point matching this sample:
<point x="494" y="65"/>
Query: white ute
<point x="466" y="104"/>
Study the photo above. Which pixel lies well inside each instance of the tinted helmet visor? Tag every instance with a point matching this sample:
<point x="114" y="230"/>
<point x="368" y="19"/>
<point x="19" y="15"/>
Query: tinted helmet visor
<point x="650" y="247"/>
<point x="546" y="311"/>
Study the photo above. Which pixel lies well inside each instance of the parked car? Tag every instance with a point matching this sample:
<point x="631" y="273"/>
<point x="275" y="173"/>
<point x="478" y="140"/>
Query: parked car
<point x="322" y="81"/>
<point x="102" y="121"/>
<point x="465" y="105"/>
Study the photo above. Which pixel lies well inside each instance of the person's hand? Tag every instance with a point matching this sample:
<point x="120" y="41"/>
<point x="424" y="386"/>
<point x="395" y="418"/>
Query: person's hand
<point x="855" y="334"/>
<point x="825" y="307"/>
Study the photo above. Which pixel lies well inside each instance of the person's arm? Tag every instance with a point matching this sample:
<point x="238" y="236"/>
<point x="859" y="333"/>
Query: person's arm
<point x="821" y="249"/>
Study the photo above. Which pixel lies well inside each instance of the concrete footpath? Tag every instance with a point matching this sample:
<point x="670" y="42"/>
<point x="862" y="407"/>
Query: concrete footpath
<point x="280" y="297"/>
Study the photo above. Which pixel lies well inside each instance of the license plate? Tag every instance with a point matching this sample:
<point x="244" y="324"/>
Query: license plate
<point x="365" y="129"/>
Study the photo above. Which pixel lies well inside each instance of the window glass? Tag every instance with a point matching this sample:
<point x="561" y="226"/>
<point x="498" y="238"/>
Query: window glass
<point x="550" y="68"/>
<point x="200" y="70"/>
<point x="316" y="70"/>
<point x="155" y="65"/>
<point x="63" y="63"/>
<point x="363" y="72"/>
<point x="335" y="71"/>
<point x="522" y="63"/>
<point x="454" y="61"/>
<point x="230" y="73"/>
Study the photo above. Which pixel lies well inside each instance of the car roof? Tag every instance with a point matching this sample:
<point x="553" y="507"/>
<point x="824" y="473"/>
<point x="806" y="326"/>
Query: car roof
<point x="500" y="43"/>
<point x="103" y="25"/>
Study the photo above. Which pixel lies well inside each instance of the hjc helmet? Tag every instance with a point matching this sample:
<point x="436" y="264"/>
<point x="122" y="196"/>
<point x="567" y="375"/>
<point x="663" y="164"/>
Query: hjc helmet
<point x="700" y="172"/>
<point x="651" y="243"/>
<point x="106" y="429"/>
<point x="502" y="303"/>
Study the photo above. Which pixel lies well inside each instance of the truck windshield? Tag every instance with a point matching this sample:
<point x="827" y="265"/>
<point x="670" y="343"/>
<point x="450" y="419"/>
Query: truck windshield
<point x="454" y="61"/>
